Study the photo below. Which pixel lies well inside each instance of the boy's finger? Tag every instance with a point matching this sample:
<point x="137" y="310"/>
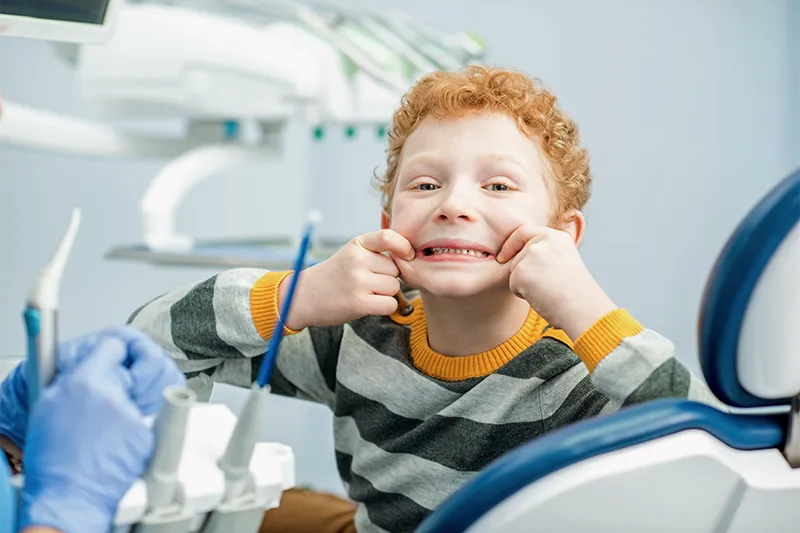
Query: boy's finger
<point x="384" y="285"/>
<point x="406" y="268"/>
<point x="387" y="240"/>
<point x="517" y="240"/>
<point x="514" y="261"/>
<point x="382" y="264"/>
<point x="382" y="305"/>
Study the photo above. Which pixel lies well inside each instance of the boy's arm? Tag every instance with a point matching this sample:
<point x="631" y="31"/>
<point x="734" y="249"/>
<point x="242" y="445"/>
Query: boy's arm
<point x="631" y="364"/>
<point x="221" y="327"/>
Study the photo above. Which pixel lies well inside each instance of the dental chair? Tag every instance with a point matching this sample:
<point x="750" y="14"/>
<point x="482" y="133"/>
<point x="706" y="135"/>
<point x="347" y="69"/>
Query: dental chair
<point x="678" y="465"/>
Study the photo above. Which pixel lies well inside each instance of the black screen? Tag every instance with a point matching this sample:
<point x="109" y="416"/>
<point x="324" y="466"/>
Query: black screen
<point x="85" y="11"/>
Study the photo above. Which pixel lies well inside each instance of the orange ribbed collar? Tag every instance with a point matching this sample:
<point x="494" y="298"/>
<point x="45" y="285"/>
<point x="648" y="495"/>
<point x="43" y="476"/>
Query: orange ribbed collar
<point x="451" y="368"/>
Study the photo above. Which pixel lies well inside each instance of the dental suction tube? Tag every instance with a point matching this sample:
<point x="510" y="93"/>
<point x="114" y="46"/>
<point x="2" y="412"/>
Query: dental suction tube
<point x="41" y="314"/>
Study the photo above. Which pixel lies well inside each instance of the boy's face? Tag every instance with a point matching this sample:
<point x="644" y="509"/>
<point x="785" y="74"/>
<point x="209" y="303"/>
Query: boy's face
<point x="463" y="186"/>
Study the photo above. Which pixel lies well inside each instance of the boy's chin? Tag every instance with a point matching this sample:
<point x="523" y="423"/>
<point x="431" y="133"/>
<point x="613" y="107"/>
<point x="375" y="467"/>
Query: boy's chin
<point x="452" y="285"/>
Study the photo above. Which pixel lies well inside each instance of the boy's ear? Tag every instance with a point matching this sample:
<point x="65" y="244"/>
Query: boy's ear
<point x="574" y="223"/>
<point x="386" y="221"/>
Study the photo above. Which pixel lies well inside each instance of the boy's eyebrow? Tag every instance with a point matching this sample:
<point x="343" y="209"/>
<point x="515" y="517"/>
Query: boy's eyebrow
<point x="499" y="157"/>
<point x="427" y="160"/>
<point x="431" y="162"/>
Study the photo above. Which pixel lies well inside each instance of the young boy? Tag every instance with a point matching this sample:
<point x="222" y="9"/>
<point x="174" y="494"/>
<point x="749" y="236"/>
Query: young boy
<point x="506" y="337"/>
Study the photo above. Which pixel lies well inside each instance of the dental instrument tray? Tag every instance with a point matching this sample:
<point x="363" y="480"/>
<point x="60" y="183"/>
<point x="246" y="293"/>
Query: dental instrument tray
<point x="269" y="253"/>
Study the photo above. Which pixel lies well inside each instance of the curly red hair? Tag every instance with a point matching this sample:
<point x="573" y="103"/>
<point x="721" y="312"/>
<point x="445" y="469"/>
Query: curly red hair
<point x="480" y="89"/>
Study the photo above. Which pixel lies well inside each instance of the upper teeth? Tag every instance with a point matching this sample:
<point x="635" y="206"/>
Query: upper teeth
<point x="476" y="253"/>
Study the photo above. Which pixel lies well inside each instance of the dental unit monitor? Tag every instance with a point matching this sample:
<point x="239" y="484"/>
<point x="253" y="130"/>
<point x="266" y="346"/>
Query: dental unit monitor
<point x="72" y="21"/>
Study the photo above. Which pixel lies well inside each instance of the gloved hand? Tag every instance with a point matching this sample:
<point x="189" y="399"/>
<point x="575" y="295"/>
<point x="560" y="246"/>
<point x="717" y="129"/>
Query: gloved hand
<point x="151" y="375"/>
<point x="87" y="439"/>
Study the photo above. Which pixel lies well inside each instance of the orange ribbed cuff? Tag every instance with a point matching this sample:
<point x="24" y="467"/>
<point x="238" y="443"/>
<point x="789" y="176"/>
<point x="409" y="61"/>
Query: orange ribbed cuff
<point x="264" y="303"/>
<point x="604" y="336"/>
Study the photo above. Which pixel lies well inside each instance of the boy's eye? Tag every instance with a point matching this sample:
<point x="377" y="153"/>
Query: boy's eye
<point x="426" y="187"/>
<point x="498" y="187"/>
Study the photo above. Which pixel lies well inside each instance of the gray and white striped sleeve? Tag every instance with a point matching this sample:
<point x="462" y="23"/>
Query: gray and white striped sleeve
<point x="643" y="368"/>
<point x="208" y="327"/>
<point x="205" y="324"/>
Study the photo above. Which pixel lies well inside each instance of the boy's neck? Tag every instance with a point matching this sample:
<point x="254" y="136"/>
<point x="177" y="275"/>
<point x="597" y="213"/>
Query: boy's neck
<point x="467" y="326"/>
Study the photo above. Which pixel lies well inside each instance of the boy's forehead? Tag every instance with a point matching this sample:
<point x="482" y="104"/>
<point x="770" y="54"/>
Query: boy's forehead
<point x="432" y="158"/>
<point x="480" y="137"/>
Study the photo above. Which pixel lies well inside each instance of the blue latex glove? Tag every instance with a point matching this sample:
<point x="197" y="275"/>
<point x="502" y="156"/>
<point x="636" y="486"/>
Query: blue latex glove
<point x="14" y="405"/>
<point x="88" y="439"/>
<point x="151" y="375"/>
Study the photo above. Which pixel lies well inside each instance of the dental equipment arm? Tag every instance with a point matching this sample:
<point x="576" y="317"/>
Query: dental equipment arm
<point x="41" y="316"/>
<point x="173" y="183"/>
<point x="387" y="52"/>
<point x="27" y="127"/>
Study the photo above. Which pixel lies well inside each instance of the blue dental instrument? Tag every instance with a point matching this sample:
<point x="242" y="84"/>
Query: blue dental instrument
<point x="41" y="314"/>
<point x="241" y="508"/>
<point x="265" y="371"/>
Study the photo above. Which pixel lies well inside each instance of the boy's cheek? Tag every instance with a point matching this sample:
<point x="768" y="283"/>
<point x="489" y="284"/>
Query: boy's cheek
<point x="505" y="229"/>
<point x="515" y="217"/>
<point x="406" y="230"/>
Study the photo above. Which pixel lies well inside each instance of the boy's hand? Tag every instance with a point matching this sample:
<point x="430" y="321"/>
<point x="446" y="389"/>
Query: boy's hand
<point x="547" y="270"/>
<point x="359" y="280"/>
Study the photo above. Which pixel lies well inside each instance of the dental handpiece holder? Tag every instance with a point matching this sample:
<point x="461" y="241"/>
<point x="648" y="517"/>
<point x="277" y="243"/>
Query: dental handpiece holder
<point x="208" y="472"/>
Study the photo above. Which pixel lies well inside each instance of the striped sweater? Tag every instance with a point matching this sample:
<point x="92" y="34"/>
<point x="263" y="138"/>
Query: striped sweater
<point x="411" y="425"/>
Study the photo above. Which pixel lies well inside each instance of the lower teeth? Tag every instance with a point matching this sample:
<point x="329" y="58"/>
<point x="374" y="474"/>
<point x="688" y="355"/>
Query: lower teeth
<point x="455" y="252"/>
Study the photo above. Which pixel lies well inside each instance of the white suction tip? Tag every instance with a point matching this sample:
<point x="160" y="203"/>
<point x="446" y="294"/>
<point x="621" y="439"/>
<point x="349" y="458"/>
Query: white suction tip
<point x="59" y="262"/>
<point x="314" y="217"/>
<point x="45" y="293"/>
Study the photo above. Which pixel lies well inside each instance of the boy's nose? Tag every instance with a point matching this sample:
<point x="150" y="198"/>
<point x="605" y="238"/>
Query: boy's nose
<point x="455" y="207"/>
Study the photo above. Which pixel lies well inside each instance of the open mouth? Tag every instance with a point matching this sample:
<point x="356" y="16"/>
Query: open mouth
<point x="434" y="251"/>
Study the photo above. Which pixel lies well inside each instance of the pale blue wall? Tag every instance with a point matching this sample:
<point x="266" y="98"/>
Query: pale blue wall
<point x="690" y="110"/>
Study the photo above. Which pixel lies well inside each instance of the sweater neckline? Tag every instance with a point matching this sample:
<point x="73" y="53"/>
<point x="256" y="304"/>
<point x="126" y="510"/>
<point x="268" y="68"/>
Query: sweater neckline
<point x="456" y="368"/>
